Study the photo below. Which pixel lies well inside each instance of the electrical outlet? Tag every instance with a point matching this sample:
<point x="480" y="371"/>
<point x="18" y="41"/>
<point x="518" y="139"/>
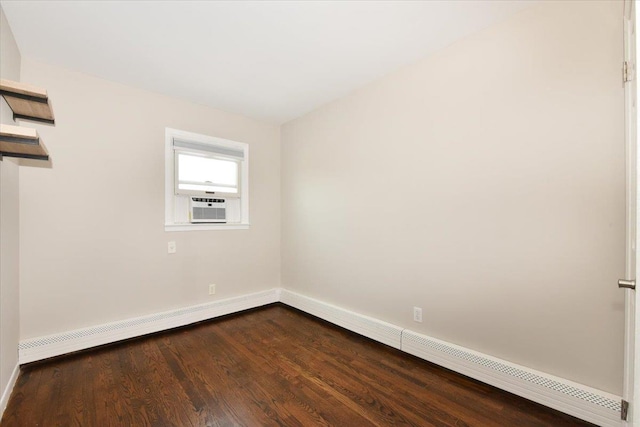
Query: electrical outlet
<point x="171" y="247"/>
<point x="212" y="289"/>
<point x="417" y="314"/>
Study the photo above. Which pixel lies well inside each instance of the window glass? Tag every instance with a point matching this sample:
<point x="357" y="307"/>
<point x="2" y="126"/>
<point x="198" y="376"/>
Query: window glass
<point x="201" y="173"/>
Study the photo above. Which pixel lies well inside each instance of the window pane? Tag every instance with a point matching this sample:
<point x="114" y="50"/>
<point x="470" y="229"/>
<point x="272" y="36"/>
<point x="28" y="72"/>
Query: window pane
<point x="205" y="170"/>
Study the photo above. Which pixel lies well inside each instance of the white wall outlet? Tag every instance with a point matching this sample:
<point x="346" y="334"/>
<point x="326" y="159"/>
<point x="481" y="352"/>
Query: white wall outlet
<point x="171" y="247"/>
<point x="417" y="314"/>
<point x="212" y="289"/>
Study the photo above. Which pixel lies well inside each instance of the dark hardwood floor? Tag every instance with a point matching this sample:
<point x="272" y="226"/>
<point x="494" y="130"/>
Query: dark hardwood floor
<point x="273" y="366"/>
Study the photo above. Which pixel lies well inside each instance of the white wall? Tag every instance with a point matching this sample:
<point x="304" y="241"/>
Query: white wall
<point x="93" y="246"/>
<point x="484" y="184"/>
<point x="9" y="217"/>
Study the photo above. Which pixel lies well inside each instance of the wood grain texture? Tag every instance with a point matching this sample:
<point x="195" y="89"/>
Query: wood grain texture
<point x="22" y="88"/>
<point x="273" y="366"/>
<point x="29" y="141"/>
<point x="17" y="148"/>
<point x="29" y="108"/>
<point x="26" y="107"/>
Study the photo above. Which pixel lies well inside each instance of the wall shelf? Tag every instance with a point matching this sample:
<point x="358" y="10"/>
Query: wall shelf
<point x="27" y="102"/>
<point x="21" y="142"/>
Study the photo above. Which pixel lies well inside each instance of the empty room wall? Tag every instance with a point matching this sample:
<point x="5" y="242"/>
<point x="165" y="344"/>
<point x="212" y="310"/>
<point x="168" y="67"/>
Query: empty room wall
<point x="9" y="217"/>
<point x="485" y="184"/>
<point x="93" y="245"/>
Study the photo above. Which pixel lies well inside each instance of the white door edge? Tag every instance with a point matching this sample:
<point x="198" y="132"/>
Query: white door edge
<point x="631" y="383"/>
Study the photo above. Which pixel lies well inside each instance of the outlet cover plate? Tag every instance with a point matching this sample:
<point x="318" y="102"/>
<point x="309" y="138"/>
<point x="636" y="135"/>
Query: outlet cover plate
<point x="417" y="314"/>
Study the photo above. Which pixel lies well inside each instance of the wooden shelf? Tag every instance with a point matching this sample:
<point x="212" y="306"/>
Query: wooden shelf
<point x="21" y="142"/>
<point x="27" y="102"/>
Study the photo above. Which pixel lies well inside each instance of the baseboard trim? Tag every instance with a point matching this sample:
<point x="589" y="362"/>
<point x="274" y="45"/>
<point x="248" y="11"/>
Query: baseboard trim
<point x="575" y="399"/>
<point x="579" y="400"/>
<point x="375" y="329"/>
<point x="40" y="348"/>
<point x="6" y="393"/>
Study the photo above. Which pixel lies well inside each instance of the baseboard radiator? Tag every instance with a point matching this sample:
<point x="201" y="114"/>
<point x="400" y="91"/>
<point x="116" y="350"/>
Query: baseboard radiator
<point x="369" y="327"/>
<point x="581" y="401"/>
<point x="584" y="402"/>
<point x="40" y="348"/>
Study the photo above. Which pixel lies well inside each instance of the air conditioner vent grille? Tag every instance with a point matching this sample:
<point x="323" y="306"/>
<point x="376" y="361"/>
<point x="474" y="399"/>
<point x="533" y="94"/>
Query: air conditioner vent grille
<point x="209" y="213"/>
<point x="208" y="210"/>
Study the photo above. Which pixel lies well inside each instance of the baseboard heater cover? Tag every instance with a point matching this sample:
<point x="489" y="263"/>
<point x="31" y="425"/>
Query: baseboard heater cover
<point x="581" y="401"/>
<point x="369" y="327"/>
<point x="575" y="399"/>
<point x="44" y="347"/>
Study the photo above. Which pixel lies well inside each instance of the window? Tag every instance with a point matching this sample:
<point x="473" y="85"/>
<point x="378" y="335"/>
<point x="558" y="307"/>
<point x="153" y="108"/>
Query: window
<point x="198" y="166"/>
<point x="202" y="169"/>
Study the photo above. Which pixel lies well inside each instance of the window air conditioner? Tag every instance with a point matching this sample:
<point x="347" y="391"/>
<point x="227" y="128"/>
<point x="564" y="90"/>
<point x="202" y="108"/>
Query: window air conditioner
<point x="204" y="209"/>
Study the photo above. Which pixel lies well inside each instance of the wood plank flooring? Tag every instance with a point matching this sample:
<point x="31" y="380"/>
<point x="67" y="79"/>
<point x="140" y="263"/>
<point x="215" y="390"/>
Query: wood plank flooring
<point x="273" y="366"/>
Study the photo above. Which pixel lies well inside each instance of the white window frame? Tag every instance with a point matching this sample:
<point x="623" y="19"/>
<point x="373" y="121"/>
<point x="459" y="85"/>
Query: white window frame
<point x="171" y="178"/>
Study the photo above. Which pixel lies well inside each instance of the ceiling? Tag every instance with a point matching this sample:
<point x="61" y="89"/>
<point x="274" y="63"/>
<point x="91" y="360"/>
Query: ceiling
<point x="269" y="60"/>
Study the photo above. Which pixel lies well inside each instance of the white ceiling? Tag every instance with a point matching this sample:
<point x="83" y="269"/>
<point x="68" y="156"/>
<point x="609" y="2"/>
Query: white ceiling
<point x="270" y="60"/>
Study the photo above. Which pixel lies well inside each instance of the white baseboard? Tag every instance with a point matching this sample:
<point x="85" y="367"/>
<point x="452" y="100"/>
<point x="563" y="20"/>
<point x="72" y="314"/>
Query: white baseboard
<point x="40" y="348"/>
<point x="6" y="393"/>
<point x="581" y="401"/>
<point x="375" y="329"/>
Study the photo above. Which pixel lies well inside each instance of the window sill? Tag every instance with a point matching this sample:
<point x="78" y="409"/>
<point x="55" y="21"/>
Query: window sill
<point x="205" y="227"/>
